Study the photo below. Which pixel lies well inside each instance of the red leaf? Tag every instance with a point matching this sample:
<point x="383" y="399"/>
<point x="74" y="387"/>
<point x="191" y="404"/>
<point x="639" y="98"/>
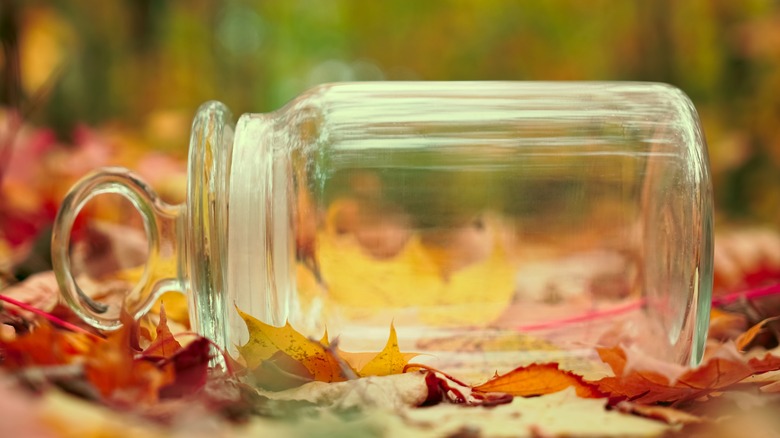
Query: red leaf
<point x="189" y="367"/>
<point x="443" y="387"/>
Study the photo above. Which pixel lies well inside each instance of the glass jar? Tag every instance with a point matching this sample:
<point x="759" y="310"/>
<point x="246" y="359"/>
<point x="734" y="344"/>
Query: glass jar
<point x="491" y="222"/>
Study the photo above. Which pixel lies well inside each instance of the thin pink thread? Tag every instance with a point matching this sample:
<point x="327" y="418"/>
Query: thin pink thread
<point x="589" y="316"/>
<point x="50" y="317"/>
<point x="749" y="294"/>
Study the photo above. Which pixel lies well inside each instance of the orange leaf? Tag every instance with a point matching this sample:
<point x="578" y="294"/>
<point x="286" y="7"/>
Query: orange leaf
<point x="46" y="345"/>
<point x="164" y="345"/>
<point x="112" y="368"/>
<point x="746" y="338"/>
<point x="539" y="379"/>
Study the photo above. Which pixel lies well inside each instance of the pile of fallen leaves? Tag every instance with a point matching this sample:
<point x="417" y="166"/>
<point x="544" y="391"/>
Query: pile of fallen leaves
<point x="58" y="378"/>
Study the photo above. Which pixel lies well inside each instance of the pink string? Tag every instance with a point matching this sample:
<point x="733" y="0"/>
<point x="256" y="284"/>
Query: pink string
<point x="588" y="316"/>
<point x="749" y="294"/>
<point x="52" y="318"/>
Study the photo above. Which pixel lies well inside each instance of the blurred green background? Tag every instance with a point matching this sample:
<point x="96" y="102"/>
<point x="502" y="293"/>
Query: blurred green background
<point x="144" y="66"/>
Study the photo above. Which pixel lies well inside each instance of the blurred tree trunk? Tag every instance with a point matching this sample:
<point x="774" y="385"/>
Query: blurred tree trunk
<point x="656" y="42"/>
<point x="10" y="93"/>
<point x="9" y="38"/>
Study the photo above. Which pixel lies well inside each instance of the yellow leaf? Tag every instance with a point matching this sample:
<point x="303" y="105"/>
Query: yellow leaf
<point x="278" y="349"/>
<point x="175" y="307"/>
<point x="325" y="341"/>
<point x="363" y="287"/>
<point x="175" y="302"/>
<point x="266" y="340"/>
<point x="389" y="361"/>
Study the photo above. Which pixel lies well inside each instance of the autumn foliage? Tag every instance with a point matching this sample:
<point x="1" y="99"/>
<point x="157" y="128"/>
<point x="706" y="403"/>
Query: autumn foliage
<point x="281" y="357"/>
<point x="115" y="368"/>
<point x="154" y="372"/>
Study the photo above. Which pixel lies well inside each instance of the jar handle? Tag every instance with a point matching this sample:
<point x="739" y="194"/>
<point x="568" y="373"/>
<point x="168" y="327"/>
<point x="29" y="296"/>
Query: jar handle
<point x="154" y="212"/>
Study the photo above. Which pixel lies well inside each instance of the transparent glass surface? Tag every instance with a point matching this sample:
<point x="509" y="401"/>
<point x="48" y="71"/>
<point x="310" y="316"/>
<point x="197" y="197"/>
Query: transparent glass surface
<point x="465" y="212"/>
<point x="493" y="223"/>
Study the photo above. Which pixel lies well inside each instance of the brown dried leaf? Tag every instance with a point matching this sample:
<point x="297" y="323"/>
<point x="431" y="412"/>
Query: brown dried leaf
<point x="642" y="384"/>
<point x="771" y="387"/>
<point x="39" y="291"/>
<point x="663" y="413"/>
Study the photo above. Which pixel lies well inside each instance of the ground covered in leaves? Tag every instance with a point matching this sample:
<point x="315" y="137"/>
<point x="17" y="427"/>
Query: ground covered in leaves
<point x="59" y="378"/>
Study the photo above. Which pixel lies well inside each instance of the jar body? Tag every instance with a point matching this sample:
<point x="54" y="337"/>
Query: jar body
<point x="508" y="222"/>
<point x="493" y="223"/>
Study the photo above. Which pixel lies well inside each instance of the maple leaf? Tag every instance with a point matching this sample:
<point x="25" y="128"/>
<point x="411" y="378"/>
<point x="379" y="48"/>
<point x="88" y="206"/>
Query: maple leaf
<point x="266" y="340"/>
<point x="539" y="379"/>
<point x="388" y="361"/>
<point x="280" y="357"/>
<point x="644" y="383"/>
<point x="111" y="367"/>
<point x="444" y="276"/>
<point x="164" y="344"/>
